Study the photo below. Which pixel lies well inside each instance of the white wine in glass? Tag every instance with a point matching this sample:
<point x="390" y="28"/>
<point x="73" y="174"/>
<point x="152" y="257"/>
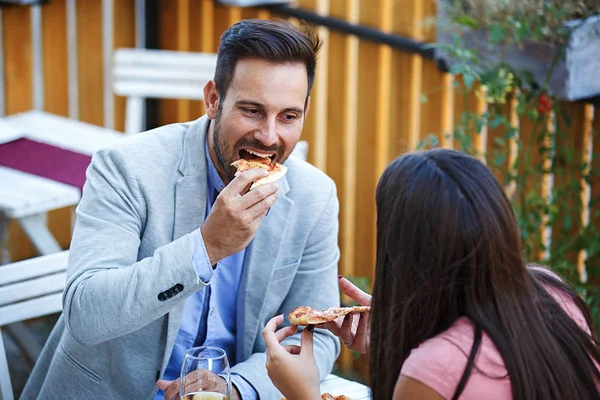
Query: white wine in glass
<point x="205" y="374"/>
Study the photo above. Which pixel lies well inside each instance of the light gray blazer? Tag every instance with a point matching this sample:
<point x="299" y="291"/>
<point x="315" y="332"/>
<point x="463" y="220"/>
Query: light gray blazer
<point x="141" y="200"/>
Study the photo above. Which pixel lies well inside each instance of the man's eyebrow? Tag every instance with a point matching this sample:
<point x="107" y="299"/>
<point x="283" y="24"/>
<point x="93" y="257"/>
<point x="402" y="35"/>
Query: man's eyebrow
<point x="242" y="103"/>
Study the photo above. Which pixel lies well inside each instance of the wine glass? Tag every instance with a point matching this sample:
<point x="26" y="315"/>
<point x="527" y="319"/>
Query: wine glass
<point x="205" y="374"/>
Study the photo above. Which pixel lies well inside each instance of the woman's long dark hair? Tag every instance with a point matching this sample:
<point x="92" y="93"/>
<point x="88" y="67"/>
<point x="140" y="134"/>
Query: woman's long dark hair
<point x="448" y="246"/>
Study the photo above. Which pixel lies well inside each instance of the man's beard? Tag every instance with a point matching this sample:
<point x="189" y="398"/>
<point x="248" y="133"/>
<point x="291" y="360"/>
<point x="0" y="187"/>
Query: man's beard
<point x="219" y="143"/>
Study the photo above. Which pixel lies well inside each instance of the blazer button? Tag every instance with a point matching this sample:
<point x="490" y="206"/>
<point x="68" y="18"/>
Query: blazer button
<point x="179" y="288"/>
<point x="161" y="296"/>
<point x="168" y="293"/>
<point x="172" y="291"/>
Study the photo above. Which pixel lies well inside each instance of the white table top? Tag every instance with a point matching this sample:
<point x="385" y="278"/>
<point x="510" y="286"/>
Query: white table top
<point x="23" y="194"/>
<point x="337" y="386"/>
<point x="58" y="131"/>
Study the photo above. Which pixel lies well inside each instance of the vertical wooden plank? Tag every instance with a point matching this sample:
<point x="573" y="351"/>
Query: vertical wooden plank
<point x="18" y="94"/>
<point x="56" y="98"/>
<point x="480" y="139"/>
<point x="207" y="35"/>
<point x="437" y="111"/>
<point x="225" y="16"/>
<point x="72" y="68"/>
<point x="342" y="139"/>
<point x="183" y="44"/>
<point x="263" y="13"/>
<point x="208" y="27"/>
<point x="167" y="17"/>
<point x="90" y="61"/>
<point x="315" y="126"/>
<point x="108" y="24"/>
<point x="447" y="108"/>
<point x="342" y="129"/>
<point x="585" y="192"/>
<point x="549" y="142"/>
<point x="513" y="148"/>
<point x="408" y="75"/>
<point x="54" y="28"/>
<point x="373" y="123"/>
<point x="18" y="73"/>
<point x="123" y="36"/>
<point x="570" y="151"/>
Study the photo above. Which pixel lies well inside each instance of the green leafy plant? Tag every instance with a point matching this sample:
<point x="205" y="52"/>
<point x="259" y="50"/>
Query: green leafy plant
<point x="526" y="155"/>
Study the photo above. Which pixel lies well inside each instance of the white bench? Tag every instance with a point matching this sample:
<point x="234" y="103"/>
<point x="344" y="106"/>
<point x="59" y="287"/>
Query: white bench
<point x="29" y="289"/>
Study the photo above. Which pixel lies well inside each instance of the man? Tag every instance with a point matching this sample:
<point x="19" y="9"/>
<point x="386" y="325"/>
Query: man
<point x="171" y="251"/>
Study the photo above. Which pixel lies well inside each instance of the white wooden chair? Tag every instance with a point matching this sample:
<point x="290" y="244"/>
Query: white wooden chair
<point x="29" y="289"/>
<point x="140" y="74"/>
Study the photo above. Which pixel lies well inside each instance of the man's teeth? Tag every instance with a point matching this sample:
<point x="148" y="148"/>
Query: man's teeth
<point x="258" y="154"/>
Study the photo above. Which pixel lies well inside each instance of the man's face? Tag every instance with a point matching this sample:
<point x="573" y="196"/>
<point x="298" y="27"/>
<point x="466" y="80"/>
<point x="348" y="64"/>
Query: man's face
<point x="263" y="113"/>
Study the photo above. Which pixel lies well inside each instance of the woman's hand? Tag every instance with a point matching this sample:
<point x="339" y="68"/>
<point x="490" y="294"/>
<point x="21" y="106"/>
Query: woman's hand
<point x="291" y="368"/>
<point x="353" y="329"/>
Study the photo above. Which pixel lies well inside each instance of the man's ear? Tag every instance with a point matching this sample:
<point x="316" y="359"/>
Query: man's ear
<point x="211" y="99"/>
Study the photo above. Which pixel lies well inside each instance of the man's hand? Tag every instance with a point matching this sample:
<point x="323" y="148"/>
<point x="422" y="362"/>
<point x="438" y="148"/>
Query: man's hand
<point x="292" y="369"/>
<point x="236" y="215"/>
<point x="353" y="329"/>
<point x="198" y="380"/>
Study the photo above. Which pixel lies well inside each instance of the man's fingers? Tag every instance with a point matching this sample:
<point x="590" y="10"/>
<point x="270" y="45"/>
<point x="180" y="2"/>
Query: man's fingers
<point x="171" y="390"/>
<point x="259" y="210"/>
<point x="240" y="182"/>
<point x="286" y="332"/>
<point x="354" y="292"/>
<point x="258" y="195"/>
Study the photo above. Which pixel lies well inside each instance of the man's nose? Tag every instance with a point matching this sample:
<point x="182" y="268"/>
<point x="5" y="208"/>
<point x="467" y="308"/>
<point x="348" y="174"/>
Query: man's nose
<point x="267" y="134"/>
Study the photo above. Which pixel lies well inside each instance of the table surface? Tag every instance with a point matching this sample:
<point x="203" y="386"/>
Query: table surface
<point x="23" y="194"/>
<point x="338" y="386"/>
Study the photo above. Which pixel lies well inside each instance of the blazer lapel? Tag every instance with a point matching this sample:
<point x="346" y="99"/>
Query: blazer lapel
<point x="190" y="189"/>
<point x="262" y="256"/>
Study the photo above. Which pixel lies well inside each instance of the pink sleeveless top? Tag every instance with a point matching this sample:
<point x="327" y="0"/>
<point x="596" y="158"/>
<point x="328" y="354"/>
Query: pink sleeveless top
<point x="440" y="361"/>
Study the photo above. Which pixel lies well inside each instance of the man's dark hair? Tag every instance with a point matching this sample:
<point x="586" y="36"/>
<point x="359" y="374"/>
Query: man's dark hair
<point x="279" y="42"/>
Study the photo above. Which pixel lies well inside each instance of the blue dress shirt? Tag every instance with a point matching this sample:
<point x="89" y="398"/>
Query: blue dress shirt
<point x="209" y="316"/>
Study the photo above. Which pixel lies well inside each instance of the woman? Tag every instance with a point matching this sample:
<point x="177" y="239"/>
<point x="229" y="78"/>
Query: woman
<point x="455" y="311"/>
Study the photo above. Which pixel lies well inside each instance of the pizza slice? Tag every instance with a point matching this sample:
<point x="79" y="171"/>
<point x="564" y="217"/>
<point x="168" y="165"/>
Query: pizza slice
<point x="274" y="169"/>
<point x="305" y="315"/>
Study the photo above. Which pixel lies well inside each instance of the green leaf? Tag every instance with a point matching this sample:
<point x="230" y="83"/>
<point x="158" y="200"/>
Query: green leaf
<point x="499" y="141"/>
<point x="423" y="98"/>
<point x="469" y="80"/>
<point x="466" y="21"/>
<point x="499" y="160"/>
<point x="497" y="34"/>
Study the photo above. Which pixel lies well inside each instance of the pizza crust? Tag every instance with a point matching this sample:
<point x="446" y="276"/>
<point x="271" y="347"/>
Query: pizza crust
<point x="304" y="315"/>
<point x="276" y="171"/>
